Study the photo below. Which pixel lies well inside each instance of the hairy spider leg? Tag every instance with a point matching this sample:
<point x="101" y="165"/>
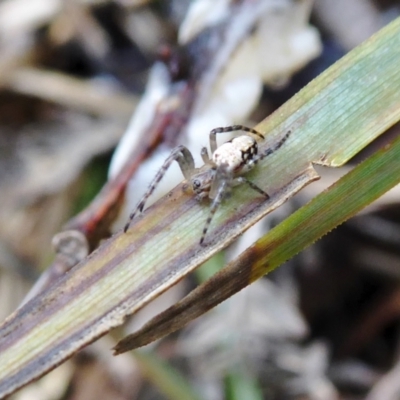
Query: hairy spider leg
<point x="268" y="151"/>
<point x="242" y="179"/>
<point x="204" y="155"/>
<point x="186" y="163"/>
<point x="232" y="128"/>
<point x="221" y="181"/>
<point x="225" y="181"/>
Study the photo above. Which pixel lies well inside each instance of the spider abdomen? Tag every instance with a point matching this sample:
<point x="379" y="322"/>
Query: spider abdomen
<point x="236" y="153"/>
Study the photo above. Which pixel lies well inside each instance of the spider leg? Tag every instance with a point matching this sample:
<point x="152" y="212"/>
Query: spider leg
<point x="275" y="147"/>
<point x="232" y="128"/>
<point x="270" y="150"/>
<point x="242" y="179"/>
<point x="186" y="163"/>
<point x="205" y="156"/>
<point x="222" y="188"/>
<point x="221" y="184"/>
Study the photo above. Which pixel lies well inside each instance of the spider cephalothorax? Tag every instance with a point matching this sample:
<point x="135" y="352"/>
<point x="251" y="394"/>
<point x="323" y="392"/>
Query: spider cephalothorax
<point x="226" y="165"/>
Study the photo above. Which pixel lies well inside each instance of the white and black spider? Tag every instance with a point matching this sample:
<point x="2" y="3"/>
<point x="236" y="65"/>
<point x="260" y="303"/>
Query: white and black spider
<point x="228" y="162"/>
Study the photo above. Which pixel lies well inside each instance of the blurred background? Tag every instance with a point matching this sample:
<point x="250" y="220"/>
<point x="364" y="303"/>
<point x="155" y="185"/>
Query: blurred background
<point x="79" y="78"/>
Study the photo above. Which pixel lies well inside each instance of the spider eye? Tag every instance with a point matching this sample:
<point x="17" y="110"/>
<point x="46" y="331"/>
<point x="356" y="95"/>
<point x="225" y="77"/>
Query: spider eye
<point x="196" y="184"/>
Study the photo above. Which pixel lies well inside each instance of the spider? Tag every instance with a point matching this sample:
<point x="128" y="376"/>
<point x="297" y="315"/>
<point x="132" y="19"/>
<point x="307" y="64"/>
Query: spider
<point x="227" y="164"/>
